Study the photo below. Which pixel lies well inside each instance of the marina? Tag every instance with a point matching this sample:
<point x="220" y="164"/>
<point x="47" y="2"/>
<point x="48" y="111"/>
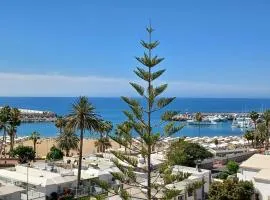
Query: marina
<point x="111" y="109"/>
<point x="237" y="120"/>
<point x="213" y="116"/>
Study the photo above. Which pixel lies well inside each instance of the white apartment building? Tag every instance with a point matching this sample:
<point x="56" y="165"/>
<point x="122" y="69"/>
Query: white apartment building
<point x="10" y="192"/>
<point x="257" y="170"/>
<point x="195" y="176"/>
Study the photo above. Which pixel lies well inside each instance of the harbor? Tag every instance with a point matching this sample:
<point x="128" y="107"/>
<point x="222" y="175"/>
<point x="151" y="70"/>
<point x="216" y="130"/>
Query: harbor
<point x="212" y="124"/>
<point x="42" y="119"/>
<point x="240" y="121"/>
<point x="213" y="116"/>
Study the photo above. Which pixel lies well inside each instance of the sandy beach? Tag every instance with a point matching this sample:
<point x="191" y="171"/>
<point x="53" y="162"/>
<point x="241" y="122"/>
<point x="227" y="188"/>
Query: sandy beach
<point x="44" y="145"/>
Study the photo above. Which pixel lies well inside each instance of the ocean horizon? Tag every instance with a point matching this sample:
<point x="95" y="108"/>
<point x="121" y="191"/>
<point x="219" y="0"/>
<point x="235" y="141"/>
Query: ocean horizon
<point x="110" y="108"/>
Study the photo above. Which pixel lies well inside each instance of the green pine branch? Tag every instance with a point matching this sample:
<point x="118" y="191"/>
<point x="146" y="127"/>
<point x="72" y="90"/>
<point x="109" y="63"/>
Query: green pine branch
<point x="139" y="122"/>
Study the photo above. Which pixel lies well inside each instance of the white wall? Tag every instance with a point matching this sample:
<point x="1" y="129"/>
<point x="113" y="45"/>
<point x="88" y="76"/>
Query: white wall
<point x="13" y="196"/>
<point x="54" y="188"/>
<point x="199" y="195"/>
<point x="207" y="179"/>
<point x="263" y="188"/>
<point x="247" y="174"/>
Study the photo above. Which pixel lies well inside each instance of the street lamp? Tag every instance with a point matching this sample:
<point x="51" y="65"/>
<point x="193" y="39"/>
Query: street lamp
<point x="27" y="166"/>
<point x="198" y="163"/>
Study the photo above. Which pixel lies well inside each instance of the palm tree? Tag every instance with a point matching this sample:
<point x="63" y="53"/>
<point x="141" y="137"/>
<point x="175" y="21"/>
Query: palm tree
<point x="198" y="118"/>
<point x="35" y="136"/>
<point x="249" y="135"/>
<point x="60" y="123"/>
<point x="254" y="117"/>
<point x="11" y="131"/>
<point x="105" y="128"/>
<point x="15" y="120"/>
<point x="4" y="119"/>
<point x="261" y="133"/>
<point x="124" y="131"/>
<point x="67" y="140"/>
<point x="216" y="142"/>
<point x="102" y="144"/>
<point x="266" y="117"/>
<point x="82" y="118"/>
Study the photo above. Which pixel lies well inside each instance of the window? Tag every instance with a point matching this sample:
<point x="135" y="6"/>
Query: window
<point x="59" y="189"/>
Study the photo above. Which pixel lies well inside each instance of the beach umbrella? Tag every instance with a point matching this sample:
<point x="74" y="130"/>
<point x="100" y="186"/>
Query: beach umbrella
<point x="204" y="145"/>
<point x="234" y="142"/>
<point x="212" y="145"/>
<point x="222" y="145"/>
<point x="241" y="142"/>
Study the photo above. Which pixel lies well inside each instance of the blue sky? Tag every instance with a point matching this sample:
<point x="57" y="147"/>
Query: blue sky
<point x="69" y="48"/>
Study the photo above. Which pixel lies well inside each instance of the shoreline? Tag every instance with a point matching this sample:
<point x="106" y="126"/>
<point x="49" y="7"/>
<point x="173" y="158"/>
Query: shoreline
<point x="44" y="144"/>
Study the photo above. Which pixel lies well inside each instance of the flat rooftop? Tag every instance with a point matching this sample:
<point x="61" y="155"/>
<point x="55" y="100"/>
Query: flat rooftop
<point x="36" y="176"/>
<point x="9" y="189"/>
<point x="191" y="170"/>
<point x="257" y="161"/>
<point x="264" y="174"/>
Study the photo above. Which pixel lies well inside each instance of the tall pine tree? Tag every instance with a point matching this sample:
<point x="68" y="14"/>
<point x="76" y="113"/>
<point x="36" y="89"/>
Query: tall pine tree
<point x="140" y="119"/>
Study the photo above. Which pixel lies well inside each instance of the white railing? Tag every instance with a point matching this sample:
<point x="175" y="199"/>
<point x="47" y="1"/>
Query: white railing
<point x="33" y="195"/>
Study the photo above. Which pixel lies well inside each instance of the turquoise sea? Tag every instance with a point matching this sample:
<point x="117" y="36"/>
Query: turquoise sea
<point x="111" y="109"/>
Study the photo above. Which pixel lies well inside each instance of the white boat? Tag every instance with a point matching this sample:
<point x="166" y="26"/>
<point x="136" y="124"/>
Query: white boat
<point x="203" y="122"/>
<point x="243" y="123"/>
<point x="216" y="118"/>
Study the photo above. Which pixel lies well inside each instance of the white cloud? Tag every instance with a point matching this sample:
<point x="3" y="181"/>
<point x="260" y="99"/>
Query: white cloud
<point x="16" y="84"/>
<point x="202" y="89"/>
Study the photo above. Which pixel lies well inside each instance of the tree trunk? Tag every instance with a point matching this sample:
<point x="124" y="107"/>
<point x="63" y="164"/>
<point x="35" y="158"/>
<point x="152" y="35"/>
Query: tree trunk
<point x="67" y="152"/>
<point x="195" y="194"/>
<point x="267" y="137"/>
<point x="80" y="159"/>
<point x="254" y="133"/>
<point x="4" y="141"/>
<point x="199" y="129"/>
<point x="35" y="143"/>
<point x="149" y="189"/>
<point x="149" y="195"/>
<point x="11" y="142"/>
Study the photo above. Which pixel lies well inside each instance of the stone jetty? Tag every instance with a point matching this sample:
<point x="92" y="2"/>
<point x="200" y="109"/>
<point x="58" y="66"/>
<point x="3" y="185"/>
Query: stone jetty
<point x="37" y="116"/>
<point x="28" y="116"/>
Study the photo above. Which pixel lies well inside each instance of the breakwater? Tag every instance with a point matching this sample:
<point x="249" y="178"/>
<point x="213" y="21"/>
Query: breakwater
<point x="38" y="117"/>
<point x="28" y="116"/>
